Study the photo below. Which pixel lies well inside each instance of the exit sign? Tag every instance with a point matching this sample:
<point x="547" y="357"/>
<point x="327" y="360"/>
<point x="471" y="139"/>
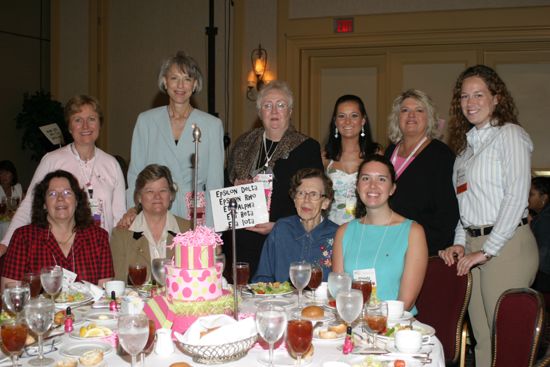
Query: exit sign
<point x="343" y="25"/>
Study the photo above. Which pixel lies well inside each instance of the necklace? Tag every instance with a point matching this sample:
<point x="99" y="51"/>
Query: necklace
<point x="64" y="243"/>
<point x="267" y="155"/>
<point x="83" y="169"/>
<point x="379" y="244"/>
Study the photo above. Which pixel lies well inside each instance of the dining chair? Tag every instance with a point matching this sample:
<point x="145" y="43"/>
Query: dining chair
<point x="545" y="362"/>
<point x="442" y="303"/>
<point x="517" y="326"/>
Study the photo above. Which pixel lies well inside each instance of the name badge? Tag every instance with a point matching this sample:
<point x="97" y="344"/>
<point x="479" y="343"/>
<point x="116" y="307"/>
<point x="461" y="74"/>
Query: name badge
<point x="365" y="274"/>
<point x="96" y="208"/>
<point x="461" y="181"/>
<point x="267" y="180"/>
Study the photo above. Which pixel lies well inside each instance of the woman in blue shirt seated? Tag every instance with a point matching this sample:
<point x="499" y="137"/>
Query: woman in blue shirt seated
<point x="307" y="236"/>
<point x="380" y="244"/>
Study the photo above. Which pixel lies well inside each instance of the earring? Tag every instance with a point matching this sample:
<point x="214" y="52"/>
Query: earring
<point x="363" y="131"/>
<point x="336" y="133"/>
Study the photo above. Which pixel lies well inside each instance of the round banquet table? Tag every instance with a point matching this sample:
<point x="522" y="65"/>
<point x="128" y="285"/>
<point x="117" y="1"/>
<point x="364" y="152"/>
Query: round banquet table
<point x="324" y="351"/>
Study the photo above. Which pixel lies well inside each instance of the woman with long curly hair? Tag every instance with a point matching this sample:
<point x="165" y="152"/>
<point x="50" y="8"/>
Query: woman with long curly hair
<point x="349" y="142"/>
<point x="491" y="176"/>
<point x="62" y="233"/>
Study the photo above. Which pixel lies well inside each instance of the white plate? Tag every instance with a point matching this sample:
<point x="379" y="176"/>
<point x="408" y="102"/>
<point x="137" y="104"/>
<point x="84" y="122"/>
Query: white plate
<point x="352" y="359"/>
<point x="296" y="313"/>
<point x="64" y="305"/>
<point x="390" y="347"/>
<point x="75" y="334"/>
<point x="101" y="316"/>
<point x="249" y="289"/>
<point x="426" y="331"/>
<point x="281" y="358"/>
<point x="317" y="338"/>
<point x="405" y="317"/>
<point x="281" y="302"/>
<point x="76" y="350"/>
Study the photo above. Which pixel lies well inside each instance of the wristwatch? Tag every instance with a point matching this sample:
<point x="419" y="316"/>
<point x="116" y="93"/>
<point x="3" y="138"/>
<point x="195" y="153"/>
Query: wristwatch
<point x="487" y="256"/>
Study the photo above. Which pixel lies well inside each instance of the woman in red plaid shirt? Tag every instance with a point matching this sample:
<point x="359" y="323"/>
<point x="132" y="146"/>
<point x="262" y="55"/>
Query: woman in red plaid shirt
<point x="62" y="232"/>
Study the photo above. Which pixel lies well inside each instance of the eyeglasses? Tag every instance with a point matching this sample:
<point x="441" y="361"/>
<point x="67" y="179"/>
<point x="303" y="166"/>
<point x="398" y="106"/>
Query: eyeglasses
<point x="280" y="106"/>
<point x="312" y="195"/>
<point x="65" y="194"/>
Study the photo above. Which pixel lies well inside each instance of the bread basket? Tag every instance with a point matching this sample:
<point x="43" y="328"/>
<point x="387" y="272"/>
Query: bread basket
<point x="218" y="354"/>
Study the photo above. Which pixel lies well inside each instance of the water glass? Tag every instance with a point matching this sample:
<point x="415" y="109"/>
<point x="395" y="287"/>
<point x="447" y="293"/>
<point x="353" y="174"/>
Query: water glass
<point x="349" y="305"/>
<point x="133" y="332"/>
<point x="16" y="295"/>
<point x="338" y="282"/>
<point x="271" y="324"/>
<point x="39" y="313"/>
<point x="300" y="273"/>
<point x="51" y="278"/>
<point x="14" y="335"/>
<point x="159" y="270"/>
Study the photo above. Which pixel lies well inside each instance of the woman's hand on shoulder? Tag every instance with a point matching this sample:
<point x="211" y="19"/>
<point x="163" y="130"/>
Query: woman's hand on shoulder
<point x="262" y="228"/>
<point x="451" y="253"/>
<point x="127" y="219"/>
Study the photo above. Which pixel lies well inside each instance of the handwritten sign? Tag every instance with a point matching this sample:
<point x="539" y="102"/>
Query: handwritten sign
<point x="53" y="133"/>
<point x="251" y="206"/>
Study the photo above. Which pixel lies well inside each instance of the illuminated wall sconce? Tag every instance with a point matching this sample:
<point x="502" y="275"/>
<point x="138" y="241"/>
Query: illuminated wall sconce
<point x="255" y="80"/>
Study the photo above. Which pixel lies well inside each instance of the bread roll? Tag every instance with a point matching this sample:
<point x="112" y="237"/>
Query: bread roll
<point x="338" y="329"/>
<point x="67" y="363"/>
<point x="91" y="357"/>
<point x="313" y="312"/>
<point x="327" y="334"/>
<point x="180" y="364"/>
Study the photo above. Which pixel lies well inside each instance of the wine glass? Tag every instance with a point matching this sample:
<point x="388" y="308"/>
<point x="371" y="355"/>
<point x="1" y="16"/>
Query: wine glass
<point x="338" y="282"/>
<point x="133" y="332"/>
<point x="349" y="304"/>
<point x="138" y="274"/>
<point x="243" y="273"/>
<point x="271" y="324"/>
<point x="16" y="295"/>
<point x="34" y="283"/>
<point x="316" y="278"/>
<point x="377" y="318"/>
<point x="364" y="286"/>
<point x="300" y="273"/>
<point x="159" y="271"/>
<point x="298" y="335"/>
<point x="14" y="335"/>
<point x="39" y="313"/>
<point x="51" y="278"/>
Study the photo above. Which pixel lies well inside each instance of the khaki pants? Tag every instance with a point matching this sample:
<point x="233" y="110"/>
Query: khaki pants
<point x="515" y="267"/>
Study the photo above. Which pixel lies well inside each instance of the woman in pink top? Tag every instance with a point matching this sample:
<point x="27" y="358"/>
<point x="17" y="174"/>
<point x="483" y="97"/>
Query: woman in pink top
<point x="98" y="173"/>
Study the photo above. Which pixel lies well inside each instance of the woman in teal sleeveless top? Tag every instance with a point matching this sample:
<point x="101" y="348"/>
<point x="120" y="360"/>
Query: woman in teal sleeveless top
<point x="380" y="239"/>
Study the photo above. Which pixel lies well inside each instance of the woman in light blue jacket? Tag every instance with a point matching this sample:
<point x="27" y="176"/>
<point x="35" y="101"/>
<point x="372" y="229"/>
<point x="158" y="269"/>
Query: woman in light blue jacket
<point x="164" y="135"/>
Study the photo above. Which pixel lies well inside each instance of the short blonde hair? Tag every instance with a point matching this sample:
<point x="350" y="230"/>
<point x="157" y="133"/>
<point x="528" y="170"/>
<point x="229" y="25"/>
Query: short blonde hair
<point x="186" y="64"/>
<point x="394" y="132"/>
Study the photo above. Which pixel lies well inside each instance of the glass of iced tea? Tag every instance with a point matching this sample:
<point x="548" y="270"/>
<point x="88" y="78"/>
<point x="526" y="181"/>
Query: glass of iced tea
<point x="299" y="334"/>
<point x="14" y="334"/>
<point x="138" y="274"/>
<point x="34" y="283"/>
<point x="377" y="318"/>
<point x="316" y="278"/>
<point x="243" y="274"/>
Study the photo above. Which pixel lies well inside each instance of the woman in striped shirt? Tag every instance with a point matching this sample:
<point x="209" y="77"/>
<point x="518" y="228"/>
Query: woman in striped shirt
<point x="491" y="176"/>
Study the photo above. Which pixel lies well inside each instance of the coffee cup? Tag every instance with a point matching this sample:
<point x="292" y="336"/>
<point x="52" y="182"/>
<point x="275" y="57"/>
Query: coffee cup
<point x="408" y="341"/>
<point x="115" y="285"/>
<point x="395" y="309"/>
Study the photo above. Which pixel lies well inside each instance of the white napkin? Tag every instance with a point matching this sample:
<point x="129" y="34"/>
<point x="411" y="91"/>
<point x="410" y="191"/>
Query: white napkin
<point x="228" y="330"/>
<point x="94" y="290"/>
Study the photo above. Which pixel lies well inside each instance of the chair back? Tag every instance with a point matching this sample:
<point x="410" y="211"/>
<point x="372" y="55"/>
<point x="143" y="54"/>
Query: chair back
<point x="519" y="317"/>
<point x="442" y="303"/>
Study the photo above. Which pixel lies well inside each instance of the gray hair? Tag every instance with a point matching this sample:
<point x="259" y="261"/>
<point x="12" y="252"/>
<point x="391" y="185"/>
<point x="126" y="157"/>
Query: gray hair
<point x="152" y="173"/>
<point x="279" y="85"/>
<point x="394" y="133"/>
<point x="186" y="64"/>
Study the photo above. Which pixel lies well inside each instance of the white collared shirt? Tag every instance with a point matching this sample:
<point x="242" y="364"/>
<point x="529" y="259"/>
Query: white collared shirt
<point x="157" y="249"/>
<point x="497" y="167"/>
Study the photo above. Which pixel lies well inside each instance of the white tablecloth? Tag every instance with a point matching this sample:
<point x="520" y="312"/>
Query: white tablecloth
<point x="324" y="351"/>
